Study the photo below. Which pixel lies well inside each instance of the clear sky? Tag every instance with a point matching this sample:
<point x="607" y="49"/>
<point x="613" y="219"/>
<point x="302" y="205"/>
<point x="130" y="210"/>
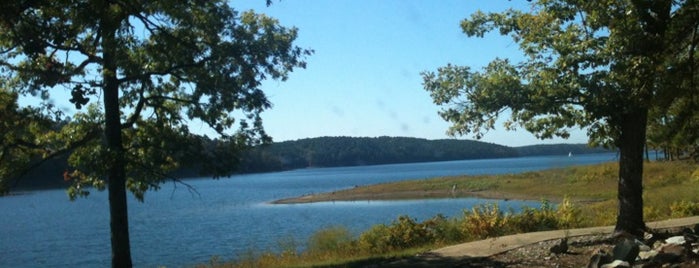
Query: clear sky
<point x="364" y="78"/>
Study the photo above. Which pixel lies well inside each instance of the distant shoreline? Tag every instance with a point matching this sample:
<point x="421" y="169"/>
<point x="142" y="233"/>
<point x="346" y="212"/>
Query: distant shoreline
<point x="356" y="194"/>
<point x="583" y="184"/>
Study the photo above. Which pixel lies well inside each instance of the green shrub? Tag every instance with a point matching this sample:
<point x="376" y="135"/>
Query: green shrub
<point x="568" y="215"/>
<point x="375" y="240"/>
<point x="444" y="230"/>
<point x="484" y="221"/>
<point x="406" y="232"/>
<point x="653" y="213"/>
<point x="684" y="209"/>
<point x="330" y="240"/>
<point x="533" y="219"/>
<point x="488" y="220"/>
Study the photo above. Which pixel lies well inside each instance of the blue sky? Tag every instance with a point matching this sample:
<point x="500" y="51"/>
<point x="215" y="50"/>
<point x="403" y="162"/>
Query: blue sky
<point x="364" y="78"/>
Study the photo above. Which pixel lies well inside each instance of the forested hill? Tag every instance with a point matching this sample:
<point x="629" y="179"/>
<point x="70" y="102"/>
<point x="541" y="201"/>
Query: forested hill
<point x="337" y="151"/>
<point x="352" y="151"/>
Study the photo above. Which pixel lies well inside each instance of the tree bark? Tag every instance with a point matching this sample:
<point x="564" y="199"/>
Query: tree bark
<point x="630" y="188"/>
<point x="118" y="210"/>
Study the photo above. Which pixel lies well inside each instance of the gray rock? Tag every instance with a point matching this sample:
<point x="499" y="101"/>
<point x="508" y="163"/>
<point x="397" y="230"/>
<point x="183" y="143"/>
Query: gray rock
<point x="616" y="263"/>
<point x="670" y="253"/>
<point x="626" y="250"/>
<point x="677" y="250"/>
<point x="677" y="240"/>
<point x="561" y="247"/>
<point x="647" y="236"/>
<point x="642" y="246"/>
<point x="673" y="249"/>
<point x="658" y="244"/>
<point x="598" y="259"/>
<point x="646" y="255"/>
<point x="687" y="231"/>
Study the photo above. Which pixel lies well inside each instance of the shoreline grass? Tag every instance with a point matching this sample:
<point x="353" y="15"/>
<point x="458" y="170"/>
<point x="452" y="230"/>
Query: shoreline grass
<point x="586" y="196"/>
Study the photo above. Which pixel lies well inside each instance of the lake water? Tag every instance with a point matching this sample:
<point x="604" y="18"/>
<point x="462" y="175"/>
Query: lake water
<point x="175" y="227"/>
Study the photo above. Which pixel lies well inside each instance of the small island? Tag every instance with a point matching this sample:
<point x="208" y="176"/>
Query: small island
<point x="365" y="193"/>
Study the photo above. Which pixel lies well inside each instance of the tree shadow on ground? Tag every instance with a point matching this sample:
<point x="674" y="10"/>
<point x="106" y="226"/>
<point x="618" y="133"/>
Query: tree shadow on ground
<point x="423" y="260"/>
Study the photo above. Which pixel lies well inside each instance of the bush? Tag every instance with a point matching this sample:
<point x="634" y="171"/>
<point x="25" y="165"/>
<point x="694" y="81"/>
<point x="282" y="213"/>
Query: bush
<point x="653" y="213"/>
<point x="684" y="209"/>
<point x="444" y="230"/>
<point x="532" y="219"/>
<point x="488" y="220"/>
<point x="406" y="232"/>
<point x="484" y="221"/>
<point x="375" y="240"/>
<point x="330" y="240"/>
<point x="568" y="215"/>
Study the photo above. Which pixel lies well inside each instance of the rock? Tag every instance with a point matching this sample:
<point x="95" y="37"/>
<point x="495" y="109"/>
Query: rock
<point x="687" y="231"/>
<point x="658" y="244"/>
<point x="691" y="238"/>
<point x="598" y="259"/>
<point x="626" y="250"/>
<point x="616" y="263"/>
<point x="663" y="258"/>
<point x="647" y="236"/>
<point x="677" y="240"/>
<point x="642" y="246"/>
<point x="670" y="253"/>
<point x="673" y="249"/>
<point x="646" y="255"/>
<point x="561" y="247"/>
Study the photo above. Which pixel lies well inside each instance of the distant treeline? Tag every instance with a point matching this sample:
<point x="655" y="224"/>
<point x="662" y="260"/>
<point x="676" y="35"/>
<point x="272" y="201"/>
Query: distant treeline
<point x="558" y="149"/>
<point x="353" y="151"/>
<point x="334" y="152"/>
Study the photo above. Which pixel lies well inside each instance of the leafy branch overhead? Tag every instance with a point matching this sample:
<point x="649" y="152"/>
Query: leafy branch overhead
<point x="586" y="63"/>
<point x="175" y="62"/>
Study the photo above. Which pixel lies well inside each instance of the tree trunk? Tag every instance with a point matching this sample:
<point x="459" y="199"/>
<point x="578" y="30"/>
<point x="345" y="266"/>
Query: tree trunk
<point x="631" y="142"/>
<point x="656" y="155"/>
<point x="118" y="210"/>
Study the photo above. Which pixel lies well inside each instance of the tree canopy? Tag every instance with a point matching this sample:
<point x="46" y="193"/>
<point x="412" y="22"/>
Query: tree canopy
<point x="19" y="128"/>
<point x="140" y="72"/>
<point x="173" y="63"/>
<point x="597" y="65"/>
